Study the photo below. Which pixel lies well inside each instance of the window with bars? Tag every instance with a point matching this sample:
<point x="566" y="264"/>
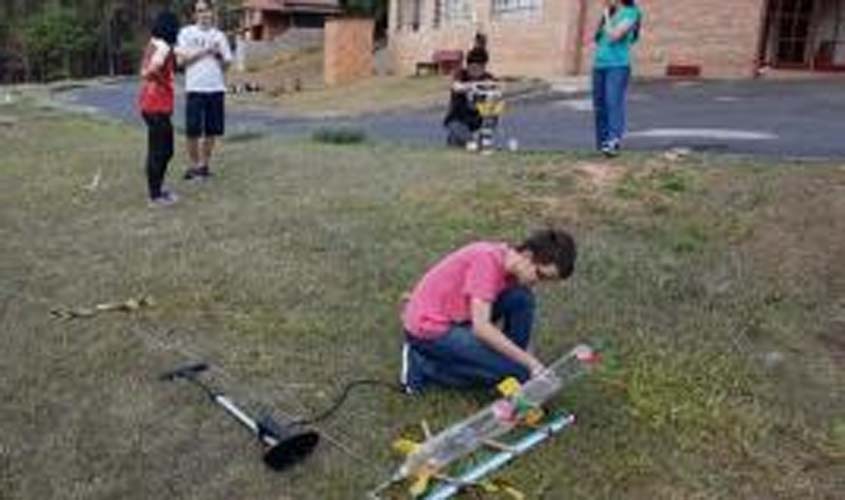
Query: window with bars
<point x="793" y="19"/>
<point x="408" y="14"/>
<point x="517" y="9"/>
<point x="453" y="12"/>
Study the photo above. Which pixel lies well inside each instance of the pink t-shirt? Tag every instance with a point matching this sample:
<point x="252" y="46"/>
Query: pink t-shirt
<point x="443" y="295"/>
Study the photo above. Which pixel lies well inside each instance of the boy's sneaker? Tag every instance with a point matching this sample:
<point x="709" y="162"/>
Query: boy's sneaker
<point x="198" y="173"/>
<point x="165" y="199"/>
<point x="192" y="173"/>
<point x="411" y="377"/>
<point x="610" y="149"/>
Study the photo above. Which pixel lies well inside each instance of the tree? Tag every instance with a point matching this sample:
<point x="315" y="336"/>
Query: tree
<point x="371" y="8"/>
<point x="54" y="39"/>
<point x="376" y="9"/>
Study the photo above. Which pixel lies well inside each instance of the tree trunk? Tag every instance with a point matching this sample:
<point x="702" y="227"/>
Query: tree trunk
<point x="110" y="43"/>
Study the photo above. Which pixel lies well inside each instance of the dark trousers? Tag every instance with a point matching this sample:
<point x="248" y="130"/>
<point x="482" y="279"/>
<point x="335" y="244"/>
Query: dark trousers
<point x="460" y="359"/>
<point x="159" y="150"/>
<point x="459" y="133"/>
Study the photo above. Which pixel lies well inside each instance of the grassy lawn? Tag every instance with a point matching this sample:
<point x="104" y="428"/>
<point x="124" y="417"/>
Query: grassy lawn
<point x="716" y="283"/>
<point x="293" y="83"/>
<point x="373" y="95"/>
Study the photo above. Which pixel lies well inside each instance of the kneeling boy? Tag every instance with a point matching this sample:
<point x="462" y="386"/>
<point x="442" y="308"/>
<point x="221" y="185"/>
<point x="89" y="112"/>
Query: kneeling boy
<point x="468" y="321"/>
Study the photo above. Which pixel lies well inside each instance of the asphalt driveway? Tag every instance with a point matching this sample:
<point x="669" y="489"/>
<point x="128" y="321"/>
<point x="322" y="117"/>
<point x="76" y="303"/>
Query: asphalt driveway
<point x="786" y="118"/>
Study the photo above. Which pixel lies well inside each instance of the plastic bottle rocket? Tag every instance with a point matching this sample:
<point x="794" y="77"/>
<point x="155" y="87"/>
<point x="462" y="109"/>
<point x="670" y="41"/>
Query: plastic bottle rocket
<point x="499" y="418"/>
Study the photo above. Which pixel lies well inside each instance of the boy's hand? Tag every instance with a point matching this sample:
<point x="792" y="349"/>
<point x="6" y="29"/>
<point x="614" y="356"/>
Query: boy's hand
<point x="536" y="368"/>
<point x="460" y="87"/>
<point x="607" y="18"/>
<point x="198" y="54"/>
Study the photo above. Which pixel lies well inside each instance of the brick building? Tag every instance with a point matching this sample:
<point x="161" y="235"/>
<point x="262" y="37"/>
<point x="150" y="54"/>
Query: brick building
<point x="549" y="38"/>
<point x="348" y="54"/>
<point x="266" y="19"/>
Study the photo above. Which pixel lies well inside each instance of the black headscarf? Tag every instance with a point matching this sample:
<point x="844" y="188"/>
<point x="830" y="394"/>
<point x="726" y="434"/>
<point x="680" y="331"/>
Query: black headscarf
<point x="166" y="27"/>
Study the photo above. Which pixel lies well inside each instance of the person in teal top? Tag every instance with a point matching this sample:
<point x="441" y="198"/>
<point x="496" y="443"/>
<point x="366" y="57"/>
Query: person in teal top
<point x="618" y="31"/>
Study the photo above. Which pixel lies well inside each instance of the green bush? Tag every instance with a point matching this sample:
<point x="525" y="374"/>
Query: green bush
<point x="340" y="135"/>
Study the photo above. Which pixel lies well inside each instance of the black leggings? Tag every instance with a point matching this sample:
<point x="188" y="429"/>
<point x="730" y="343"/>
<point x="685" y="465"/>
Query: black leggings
<point x="159" y="150"/>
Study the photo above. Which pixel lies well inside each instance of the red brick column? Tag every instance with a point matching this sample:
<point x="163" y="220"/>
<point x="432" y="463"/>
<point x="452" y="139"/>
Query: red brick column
<point x="348" y="50"/>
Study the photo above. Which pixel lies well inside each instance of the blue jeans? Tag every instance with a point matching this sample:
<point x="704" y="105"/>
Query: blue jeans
<point x="610" y="86"/>
<point x="459" y="359"/>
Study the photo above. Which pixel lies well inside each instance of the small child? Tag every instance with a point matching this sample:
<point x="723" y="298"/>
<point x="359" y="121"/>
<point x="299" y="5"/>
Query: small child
<point x="462" y="119"/>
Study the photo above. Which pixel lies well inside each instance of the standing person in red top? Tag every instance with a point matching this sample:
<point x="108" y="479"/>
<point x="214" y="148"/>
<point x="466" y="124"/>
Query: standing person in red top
<point x="155" y="101"/>
<point x="468" y="321"/>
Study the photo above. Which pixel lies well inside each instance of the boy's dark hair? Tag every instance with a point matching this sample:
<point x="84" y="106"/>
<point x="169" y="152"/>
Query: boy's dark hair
<point x="552" y="246"/>
<point x="166" y="27"/>
<point x="480" y="41"/>
<point x="477" y="56"/>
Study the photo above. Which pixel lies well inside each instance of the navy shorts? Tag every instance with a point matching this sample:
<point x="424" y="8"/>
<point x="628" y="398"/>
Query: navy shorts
<point x="204" y="115"/>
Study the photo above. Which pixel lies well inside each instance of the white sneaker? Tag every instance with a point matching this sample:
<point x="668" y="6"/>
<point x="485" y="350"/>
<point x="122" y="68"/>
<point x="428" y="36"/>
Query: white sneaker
<point x="410" y="387"/>
<point x="403" y="374"/>
<point x="166" y="199"/>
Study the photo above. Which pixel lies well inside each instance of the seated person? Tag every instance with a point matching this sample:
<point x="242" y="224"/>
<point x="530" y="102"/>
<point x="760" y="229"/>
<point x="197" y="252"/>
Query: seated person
<point x="468" y="321"/>
<point x="463" y="120"/>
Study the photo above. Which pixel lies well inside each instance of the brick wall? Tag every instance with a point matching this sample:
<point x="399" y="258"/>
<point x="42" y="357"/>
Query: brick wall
<point x="720" y="36"/>
<point x="541" y="46"/>
<point x="348" y="50"/>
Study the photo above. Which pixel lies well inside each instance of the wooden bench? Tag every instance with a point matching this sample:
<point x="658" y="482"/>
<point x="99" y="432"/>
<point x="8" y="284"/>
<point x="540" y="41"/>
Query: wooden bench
<point x="443" y="62"/>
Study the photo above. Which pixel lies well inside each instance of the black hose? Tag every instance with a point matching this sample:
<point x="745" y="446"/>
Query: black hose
<point x="338" y="402"/>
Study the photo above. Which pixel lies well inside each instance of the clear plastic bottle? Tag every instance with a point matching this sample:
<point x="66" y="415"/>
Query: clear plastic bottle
<point x="500" y="417"/>
<point x="461" y="439"/>
<point x="539" y="389"/>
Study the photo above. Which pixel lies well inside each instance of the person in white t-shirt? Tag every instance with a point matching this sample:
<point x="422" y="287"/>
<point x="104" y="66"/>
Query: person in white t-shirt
<point x="205" y="53"/>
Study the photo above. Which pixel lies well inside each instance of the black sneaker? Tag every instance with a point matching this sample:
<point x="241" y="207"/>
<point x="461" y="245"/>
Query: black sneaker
<point x="204" y="172"/>
<point x="192" y="173"/>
